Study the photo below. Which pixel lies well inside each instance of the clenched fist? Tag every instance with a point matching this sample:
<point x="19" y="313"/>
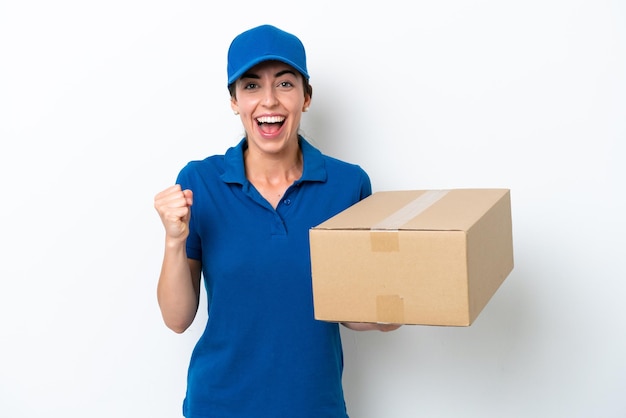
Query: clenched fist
<point x="174" y="207"/>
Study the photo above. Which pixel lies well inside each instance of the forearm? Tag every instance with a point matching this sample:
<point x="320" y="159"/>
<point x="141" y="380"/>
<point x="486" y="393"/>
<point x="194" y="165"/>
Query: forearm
<point x="178" y="289"/>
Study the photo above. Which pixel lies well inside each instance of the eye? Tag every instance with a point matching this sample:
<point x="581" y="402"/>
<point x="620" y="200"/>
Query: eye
<point x="250" y="86"/>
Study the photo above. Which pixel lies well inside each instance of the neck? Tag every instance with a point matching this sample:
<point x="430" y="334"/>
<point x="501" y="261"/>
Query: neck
<point x="273" y="169"/>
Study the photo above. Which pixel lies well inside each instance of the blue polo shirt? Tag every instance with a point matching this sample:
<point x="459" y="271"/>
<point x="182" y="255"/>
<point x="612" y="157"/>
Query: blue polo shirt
<point x="262" y="353"/>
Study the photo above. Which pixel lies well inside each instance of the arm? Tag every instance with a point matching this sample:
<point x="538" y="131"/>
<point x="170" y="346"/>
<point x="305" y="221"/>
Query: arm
<point x="178" y="289"/>
<point x="364" y="326"/>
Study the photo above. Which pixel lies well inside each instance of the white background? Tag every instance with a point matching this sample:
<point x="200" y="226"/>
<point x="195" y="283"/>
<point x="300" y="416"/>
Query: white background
<point x="101" y="103"/>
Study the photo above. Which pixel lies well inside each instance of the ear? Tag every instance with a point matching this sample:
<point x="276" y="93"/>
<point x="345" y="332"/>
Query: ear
<point x="234" y="105"/>
<point x="307" y="103"/>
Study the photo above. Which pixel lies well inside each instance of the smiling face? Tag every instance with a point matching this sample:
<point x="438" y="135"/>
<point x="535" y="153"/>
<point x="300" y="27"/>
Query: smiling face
<point x="270" y="100"/>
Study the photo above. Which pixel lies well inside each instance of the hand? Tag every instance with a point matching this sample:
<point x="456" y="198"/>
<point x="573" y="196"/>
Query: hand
<point x="174" y="207"/>
<point x="387" y="327"/>
<point x="368" y="326"/>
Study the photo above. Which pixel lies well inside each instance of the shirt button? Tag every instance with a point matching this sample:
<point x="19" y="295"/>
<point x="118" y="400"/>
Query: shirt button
<point x="287" y="202"/>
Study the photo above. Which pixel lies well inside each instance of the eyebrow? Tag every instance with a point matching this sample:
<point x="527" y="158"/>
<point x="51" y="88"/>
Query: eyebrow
<point x="278" y="74"/>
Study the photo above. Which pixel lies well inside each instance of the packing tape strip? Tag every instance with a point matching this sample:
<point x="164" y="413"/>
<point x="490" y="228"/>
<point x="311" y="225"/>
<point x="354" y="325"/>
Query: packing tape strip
<point x="410" y="210"/>
<point x="389" y="309"/>
<point x="384" y="235"/>
<point x="384" y="241"/>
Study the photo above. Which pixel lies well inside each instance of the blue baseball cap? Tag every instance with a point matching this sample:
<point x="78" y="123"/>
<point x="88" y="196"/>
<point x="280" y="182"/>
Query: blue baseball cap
<point x="264" y="43"/>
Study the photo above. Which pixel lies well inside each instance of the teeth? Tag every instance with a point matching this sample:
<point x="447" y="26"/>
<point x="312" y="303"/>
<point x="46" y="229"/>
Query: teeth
<point x="270" y="119"/>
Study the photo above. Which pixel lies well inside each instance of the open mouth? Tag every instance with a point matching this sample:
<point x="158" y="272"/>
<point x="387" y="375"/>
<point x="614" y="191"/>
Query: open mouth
<point x="270" y="124"/>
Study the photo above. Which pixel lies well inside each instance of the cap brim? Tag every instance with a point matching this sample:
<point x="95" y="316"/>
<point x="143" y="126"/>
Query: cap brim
<point x="235" y="76"/>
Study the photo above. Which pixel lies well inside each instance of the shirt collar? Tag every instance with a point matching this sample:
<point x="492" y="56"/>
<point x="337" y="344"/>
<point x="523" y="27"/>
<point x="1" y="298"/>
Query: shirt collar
<point x="313" y="160"/>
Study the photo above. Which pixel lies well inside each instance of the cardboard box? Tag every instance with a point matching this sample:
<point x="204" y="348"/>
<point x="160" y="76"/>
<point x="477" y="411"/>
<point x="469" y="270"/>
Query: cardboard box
<point x="430" y="257"/>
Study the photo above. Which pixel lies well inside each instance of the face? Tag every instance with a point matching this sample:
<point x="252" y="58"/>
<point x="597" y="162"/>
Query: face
<point x="270" y="100"/>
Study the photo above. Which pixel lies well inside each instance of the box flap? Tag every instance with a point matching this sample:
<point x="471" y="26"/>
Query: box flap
<point x="456" y="209"/>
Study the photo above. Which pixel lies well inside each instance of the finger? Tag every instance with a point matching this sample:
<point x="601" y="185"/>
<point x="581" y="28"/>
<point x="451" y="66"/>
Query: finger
<point x="172" y="189"/>
<point x="188" y="196"/>
<point x="171" y="197"/>
<point x="175" y="217"/>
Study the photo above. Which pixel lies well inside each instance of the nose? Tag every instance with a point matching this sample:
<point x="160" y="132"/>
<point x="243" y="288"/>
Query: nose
<point x="270" y="98"/>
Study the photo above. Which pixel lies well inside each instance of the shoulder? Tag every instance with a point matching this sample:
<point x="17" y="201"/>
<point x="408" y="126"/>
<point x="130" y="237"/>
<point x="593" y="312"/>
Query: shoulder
<point x="213" y="161"/>
<point x="195" y="170"/>
<point x="231" y="160"/>
<point x="342" y="165"/>
<point x="316" y="160"/>
<point x="220" y="168"/>
<point x="340" y="176"/>
<point x="345" y="174"/>
<point x="336" y="166"/>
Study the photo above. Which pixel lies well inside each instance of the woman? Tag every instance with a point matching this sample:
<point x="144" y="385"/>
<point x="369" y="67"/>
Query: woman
<point x="241" y="220"/>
